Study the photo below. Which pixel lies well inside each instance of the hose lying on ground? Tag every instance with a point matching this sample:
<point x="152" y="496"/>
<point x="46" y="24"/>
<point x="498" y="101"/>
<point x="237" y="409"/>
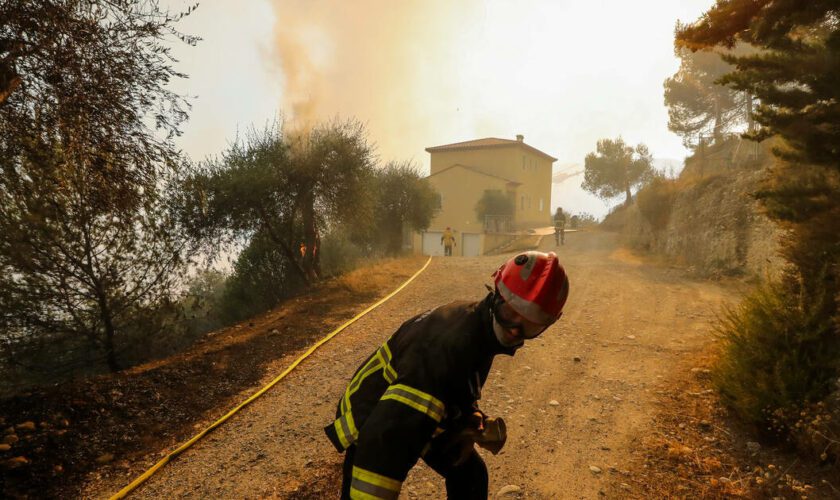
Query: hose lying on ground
<point x="177" y="451"/>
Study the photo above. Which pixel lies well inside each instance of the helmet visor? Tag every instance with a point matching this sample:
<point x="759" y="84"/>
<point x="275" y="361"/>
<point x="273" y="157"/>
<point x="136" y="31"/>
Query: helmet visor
<point x="515" y="323"/>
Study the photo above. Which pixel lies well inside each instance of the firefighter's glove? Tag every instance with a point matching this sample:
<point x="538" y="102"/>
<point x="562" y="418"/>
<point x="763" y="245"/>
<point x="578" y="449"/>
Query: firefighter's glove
<point x="493" y="436"/>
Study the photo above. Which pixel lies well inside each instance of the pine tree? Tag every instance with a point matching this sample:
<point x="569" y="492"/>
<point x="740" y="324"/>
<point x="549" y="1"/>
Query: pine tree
<point x="795" y="74"/>
<point x="614" y="168"/>
<point x="697" y="104"/>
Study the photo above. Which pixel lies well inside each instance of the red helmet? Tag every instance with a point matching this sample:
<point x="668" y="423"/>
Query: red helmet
<point x="535" y="285"/>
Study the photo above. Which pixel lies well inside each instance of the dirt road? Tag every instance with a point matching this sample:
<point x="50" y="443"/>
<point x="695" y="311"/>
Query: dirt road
<point x="630" y="325"/>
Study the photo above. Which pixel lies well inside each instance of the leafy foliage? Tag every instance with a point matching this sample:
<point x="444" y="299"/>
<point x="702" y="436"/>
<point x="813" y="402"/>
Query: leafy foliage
<point x="261" y="278"/>
<point x="494" y="202"/>
<point x="792" y="328"/>
<point x="696" y="103"/>
<point x="794" y="76"/>
<point x="655" y="201"/>
<point x="615" y="168"/>
<point x="88" y="249"/>
<point x="70" y="270"/>
<point x="403" y="200"/>
<point x="88" y="78"/>
<point x="288" y="188"/>
<point x="582" y="219"/>
<point x="778" y="351"/>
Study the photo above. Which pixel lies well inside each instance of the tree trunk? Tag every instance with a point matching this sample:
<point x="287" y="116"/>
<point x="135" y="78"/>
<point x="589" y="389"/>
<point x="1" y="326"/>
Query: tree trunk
<point x="627" y="194"/>
<point x="110" y="330"/>
<point x="284" y="247"/>
<point x="110" y="351"/>
<point x="718" y="130"/>
<point x="311" y="254"/>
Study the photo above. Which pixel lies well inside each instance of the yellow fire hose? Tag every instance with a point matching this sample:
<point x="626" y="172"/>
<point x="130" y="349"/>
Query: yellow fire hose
<point x="146" y="475"/>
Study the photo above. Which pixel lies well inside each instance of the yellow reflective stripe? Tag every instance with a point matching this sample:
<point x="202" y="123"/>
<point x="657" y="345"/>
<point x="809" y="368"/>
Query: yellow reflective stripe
<point x="386" y="353"/>
<point x="370" y="367"/>
<point x="345" y="426"/>
<point x="417" y="399"/>
<point x="390" y="374"/>
<point x="360" y="495"/>
<point x="345" y="429"/>
<point x="342" y="431"/>
<point x="367" y="484"/>
<point x="387" y="370"/>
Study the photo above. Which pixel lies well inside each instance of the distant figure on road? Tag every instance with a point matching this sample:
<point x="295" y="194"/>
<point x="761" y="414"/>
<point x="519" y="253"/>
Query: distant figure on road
<point x="559" y="227"/>
<point x="448" y="241"/>
<point x="417" y="395"/>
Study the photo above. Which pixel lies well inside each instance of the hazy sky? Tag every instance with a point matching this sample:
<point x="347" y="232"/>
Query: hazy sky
<point x="424" y="73"/>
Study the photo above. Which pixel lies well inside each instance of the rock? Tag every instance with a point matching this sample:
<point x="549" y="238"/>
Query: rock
<point x="554" y="402"/>
<point x="508" y="490"/>
<point x="10" y="439"/>
<point x="576" y="359"/>
<point x="624" y="486"/>
<point x="274" y="331"/>
<point x="5" y="447"/>
<point x="58" y="469"/>
<point x="682" y="425"/>
<point x="105" y="458"/>
<point x="753" y="447"/>
<point x="631" y="337"/>
<point x="678" y="452"/>
<point x="26" y="426"/>
<point x="594" y="469"/>
<point x="14" y="463"/>
<point x="705" y="425"/>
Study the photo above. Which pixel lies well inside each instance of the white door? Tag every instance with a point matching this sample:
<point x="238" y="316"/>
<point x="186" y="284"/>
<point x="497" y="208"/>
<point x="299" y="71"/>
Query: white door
<point x="471" y="244"/>
<point x="431" y="243"/>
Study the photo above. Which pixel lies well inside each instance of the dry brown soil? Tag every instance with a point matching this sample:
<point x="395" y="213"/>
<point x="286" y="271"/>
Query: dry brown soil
<point x="573" y="425"/>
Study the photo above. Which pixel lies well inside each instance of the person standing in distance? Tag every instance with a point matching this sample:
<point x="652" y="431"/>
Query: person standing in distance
<point x="559" y="227"/>
<point x="448" y="241"/>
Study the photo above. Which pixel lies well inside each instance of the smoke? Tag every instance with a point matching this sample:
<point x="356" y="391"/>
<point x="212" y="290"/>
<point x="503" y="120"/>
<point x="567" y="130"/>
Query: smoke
<point x="392" y="65"/>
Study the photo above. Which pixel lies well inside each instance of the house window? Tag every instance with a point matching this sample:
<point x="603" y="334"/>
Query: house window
<point x="541" y="204"/>
<point x="438" y="200"/>
<point x="523" y="162"/>
<point x="522" y="202"/>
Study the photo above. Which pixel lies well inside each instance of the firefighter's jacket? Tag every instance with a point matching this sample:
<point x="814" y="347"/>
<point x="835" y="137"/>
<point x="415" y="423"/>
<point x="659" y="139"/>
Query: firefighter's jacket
<point x="447" y="239"/>
<point x="425" y="379"/>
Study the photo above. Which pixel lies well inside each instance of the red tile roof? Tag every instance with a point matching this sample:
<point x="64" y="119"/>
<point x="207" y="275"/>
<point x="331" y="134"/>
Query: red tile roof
<point x="487" y="142"/>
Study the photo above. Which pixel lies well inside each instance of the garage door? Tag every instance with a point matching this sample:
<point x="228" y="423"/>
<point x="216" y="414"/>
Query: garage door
<point x="431" y="243"/>
<point x="471" y="244"/>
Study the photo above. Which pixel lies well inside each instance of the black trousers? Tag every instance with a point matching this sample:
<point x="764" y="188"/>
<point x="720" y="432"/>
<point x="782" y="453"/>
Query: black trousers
<point x="467" y="480"/>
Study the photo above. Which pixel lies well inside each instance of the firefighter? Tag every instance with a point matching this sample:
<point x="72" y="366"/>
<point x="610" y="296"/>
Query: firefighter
<point x="559" y="227"/>
<point x="417" y="395"/>
<point x="447" y="240"/>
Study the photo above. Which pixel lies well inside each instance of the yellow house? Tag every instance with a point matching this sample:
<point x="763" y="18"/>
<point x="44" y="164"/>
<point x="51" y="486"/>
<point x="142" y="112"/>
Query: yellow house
<point x="462" y="172"/>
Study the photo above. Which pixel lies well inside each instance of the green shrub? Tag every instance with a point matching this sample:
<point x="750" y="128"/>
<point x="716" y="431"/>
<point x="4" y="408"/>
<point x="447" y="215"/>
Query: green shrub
<point x="778" y="353"/>
<point x="656" y="200"/>
<point x="339" y="254"/>
<point x="262" y="276"/>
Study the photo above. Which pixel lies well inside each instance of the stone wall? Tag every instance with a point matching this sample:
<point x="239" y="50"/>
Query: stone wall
<point x="715" y="227"/>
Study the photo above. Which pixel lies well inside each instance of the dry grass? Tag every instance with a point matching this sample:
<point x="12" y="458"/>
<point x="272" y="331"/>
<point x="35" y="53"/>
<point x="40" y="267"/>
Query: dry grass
<point x="373" y="277"/>
<point x="697" y="450"/>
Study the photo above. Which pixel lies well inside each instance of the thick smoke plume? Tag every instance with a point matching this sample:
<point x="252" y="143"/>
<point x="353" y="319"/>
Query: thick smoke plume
<point x="391" y="65"/>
